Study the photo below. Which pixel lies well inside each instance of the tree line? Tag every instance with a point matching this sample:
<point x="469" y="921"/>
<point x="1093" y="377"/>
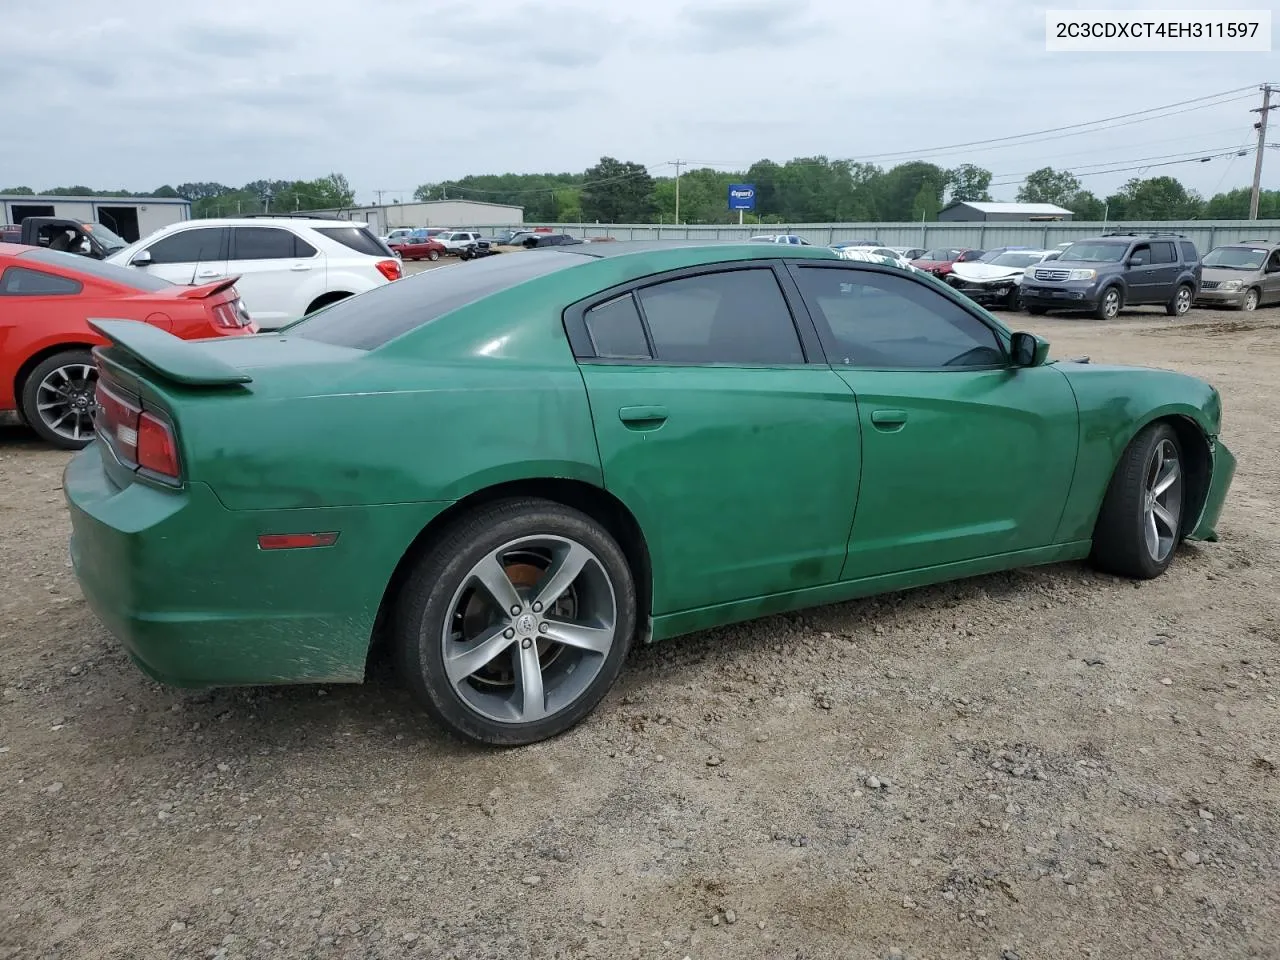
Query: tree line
<point x="803" y="190"/>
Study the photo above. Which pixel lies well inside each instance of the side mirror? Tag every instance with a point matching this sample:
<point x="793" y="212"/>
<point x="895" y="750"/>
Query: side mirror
<point x="1029" y="350"/>
<point x="1137" y="261"/>
<point x="141" y="259"/>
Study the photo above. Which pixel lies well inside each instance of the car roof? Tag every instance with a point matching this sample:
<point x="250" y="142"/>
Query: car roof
<point x="312" y="222"/>
<point x="714" y="249"/>
<point x="13" y="249"/>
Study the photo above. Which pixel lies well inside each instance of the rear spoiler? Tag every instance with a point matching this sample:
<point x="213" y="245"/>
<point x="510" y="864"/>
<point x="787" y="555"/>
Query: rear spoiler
<point x="182" y="361"/>
<point x="208" y="290"/>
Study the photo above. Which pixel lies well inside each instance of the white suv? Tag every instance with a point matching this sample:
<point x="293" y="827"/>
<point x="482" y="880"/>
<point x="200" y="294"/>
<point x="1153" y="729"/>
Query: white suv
<point x="287" y="266"/>
<point x="455" y="240"/>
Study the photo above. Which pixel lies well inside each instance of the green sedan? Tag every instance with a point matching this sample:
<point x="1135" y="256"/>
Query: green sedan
<point x="514" y="469"/>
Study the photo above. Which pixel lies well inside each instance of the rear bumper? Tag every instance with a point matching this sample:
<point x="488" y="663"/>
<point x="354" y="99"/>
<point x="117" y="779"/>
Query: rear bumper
<point x="179" y="580"/>
<point x="1224" y="470"/>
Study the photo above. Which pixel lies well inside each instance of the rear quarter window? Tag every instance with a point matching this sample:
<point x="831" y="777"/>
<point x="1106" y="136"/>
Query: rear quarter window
<point x="374" y="318"/>
<point x="359" y="239"/>
<point x="1189" y="253"/>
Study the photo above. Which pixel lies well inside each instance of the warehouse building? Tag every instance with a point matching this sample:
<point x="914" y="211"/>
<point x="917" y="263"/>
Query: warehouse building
<point x="130" y="217"/>
<point x="973" y="211"/>
<point x="432" y="213"/>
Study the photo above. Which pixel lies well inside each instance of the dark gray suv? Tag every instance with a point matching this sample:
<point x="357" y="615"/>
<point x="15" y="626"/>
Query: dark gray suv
<point x="1103" y="274"/>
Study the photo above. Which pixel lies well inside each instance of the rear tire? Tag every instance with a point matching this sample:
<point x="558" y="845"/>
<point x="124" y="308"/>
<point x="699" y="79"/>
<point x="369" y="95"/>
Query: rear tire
<point x="433" y="255"/>
<point x="529" y="664"/>
<point x="57" y="399"/>
<point x="323" y="301"/>
<point x="1181" y="302"/>
<point x="1037" y="311"/>
<point x="1140" y="524"/>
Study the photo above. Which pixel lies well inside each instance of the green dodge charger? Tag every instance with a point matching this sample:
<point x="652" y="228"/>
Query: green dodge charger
<point x="513" y="469"/>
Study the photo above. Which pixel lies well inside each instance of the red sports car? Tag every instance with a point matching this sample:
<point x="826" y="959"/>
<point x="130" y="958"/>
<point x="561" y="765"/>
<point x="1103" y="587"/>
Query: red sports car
<point x="417" y="248"/>
<point x="47" y="374"/>
<point x="938" y="261"/>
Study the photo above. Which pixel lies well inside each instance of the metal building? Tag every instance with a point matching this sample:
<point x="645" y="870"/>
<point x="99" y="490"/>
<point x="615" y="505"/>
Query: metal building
<point x="974" y="211"/>
<point x="432" y="213"/>
<point x="130" y="217"/>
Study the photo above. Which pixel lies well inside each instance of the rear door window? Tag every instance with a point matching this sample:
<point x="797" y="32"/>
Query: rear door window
<point x="734" y="317"/>
<point x="1162" y="252"/>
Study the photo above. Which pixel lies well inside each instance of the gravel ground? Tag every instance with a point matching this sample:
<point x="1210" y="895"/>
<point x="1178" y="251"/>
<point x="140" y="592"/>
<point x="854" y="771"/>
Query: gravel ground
<point x="1041" y="764"/>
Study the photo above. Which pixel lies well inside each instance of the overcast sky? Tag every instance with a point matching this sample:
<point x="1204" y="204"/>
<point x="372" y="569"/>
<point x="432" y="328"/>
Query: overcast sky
<point x="136" y="93"/>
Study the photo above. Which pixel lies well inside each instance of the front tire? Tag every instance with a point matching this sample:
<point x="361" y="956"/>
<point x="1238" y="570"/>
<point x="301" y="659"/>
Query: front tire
<point x="1141" y="520"/>
<point x="58" y="399"/>
<point x="515" y="624"/>
<point x="1037" y="311"/>
<point x="1250" y="301"/>
<point x="1181" y="302"/>
<point x="1109" y="306"/>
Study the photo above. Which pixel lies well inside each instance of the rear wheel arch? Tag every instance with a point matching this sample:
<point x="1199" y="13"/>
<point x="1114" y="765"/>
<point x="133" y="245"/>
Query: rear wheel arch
<point x="37" y="358"/>
<point x="597" y="503"/>
<point x="325" y="299"/>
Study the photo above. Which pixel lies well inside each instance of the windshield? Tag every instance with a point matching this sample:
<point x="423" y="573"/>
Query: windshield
<point x="943" y="253"/>
<point x="108" y="239"/>
<point x="1241" y="258"/>
<point x="1015" y="260"/>
<point x="1095" y="251"/>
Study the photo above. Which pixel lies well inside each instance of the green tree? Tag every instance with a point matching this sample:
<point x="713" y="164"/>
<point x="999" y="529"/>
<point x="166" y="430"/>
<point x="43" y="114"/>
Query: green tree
<point x="926" y="204"/>
<point x="909" y="190"/>
<point x="1157" y="198"/>
<point x="1234" y="205"/>
<point x="19" y="191"/>
<point x="969" y="182"/>
<point x="166" y="192"/>
<point x="1048" y="185"/>
<point x="617" y="191"/>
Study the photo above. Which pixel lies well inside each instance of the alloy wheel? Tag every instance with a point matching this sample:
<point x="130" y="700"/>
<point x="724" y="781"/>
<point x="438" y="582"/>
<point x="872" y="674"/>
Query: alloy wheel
<point x="65" y="400"/>
<point x="1111" y="304"/>
<point x="1251" y="300"/>
<point x="1162" y="501"/>
<point x="529" y="629"/>
<point x="1182" y="301"/>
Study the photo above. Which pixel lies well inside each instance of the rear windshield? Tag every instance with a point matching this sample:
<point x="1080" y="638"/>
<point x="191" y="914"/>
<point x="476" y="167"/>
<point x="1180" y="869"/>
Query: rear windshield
<point x="124" y="276"/>
<point x="384" y="313"/>
<point x="357" y="238"/>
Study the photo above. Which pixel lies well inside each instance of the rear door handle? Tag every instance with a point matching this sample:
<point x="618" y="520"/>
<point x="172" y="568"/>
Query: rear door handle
<point x="643" y="417"/>
<point x="301" y="266"/>
<point x="889" y="420"/>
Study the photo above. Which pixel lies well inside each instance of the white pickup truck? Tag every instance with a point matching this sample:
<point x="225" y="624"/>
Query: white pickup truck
<point x="455" y="240"/>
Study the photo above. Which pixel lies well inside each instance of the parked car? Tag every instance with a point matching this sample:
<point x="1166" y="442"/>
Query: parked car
<point x="399" y="233"/>
<point x="87" y="238"/>
<point x="997" y="281"/>
<point x="417" y="247"/>
<point x="1244" y="275"/>
<point x="1104" y="274"/>
<point x="455" y="240"/>
<point x="889" y="252"/>
<point x="548" y="240"/>
<point x="939" y="260"/>
<point x="789" y="238"/>
<point x="673" y="400"/>
<point x="287" y="266"/>
<point x="46" y="371"/>
<point x="909" y="253"/>
<point x="478" y="249"/>
<point x="990" y="255"/>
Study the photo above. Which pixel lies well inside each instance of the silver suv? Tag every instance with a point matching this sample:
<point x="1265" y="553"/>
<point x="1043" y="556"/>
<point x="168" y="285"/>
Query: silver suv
<point x="1245" y="275"/>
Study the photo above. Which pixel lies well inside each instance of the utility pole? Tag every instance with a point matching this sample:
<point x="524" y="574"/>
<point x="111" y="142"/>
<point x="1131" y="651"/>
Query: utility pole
<point x="678" y="165"/>
<point x="1261" y="127"/>
<point x="379" y="195"/>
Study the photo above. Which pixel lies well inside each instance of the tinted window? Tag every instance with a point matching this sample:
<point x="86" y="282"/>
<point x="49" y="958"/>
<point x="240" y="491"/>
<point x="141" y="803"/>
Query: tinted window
<point x="360" y="239"/>
<point x="386" y="312"/>
<point x="616" y="330"/>
<point x="1242" y="258"/>
<point x="125" y="276"/>
<point x="188" y="246"/>
<point x="1162" y="252"/>
<point x="1095" y="251"/>
<point x="738" y="316"/>
<point x="21" y="282"/>
<point x="881" y="321"/>
<point x="269" y="243"/>
<point x="1189" y="253"/>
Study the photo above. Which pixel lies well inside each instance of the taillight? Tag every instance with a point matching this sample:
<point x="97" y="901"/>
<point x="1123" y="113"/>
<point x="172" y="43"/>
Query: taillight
<point x="140" y="439"/>
<point x="232" y="315"/>
<point x="389" y="269"/>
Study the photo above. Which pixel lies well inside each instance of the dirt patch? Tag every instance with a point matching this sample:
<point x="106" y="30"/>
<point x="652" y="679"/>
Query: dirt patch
<point x="1047" y="763"/>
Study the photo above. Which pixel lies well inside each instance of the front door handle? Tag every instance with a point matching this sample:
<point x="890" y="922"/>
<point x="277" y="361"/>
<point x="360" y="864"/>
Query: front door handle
<point x="209" y="273"/>
<point x="643" y="417"/>
<point x="889" y="420"/>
